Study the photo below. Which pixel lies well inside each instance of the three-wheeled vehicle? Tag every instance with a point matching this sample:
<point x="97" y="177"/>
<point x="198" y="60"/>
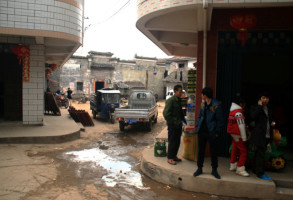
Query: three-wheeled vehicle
<point x="104" y="103"/>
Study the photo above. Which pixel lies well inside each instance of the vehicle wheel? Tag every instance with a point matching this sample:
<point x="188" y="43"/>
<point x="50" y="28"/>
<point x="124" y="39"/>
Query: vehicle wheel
<point x="94" y="114"/>
<point x="149" y="125"/>
<point x="121" y="126"/>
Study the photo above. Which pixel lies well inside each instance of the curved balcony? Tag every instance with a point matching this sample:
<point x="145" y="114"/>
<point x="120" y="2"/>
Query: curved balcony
<point x="57" y="24"/>
<point x="173" y="25"/>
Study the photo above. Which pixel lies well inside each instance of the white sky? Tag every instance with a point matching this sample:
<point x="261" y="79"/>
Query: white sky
<point x="117" y="34"/>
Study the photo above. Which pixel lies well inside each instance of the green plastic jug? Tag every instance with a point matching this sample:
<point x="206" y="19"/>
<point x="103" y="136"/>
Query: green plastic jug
<point x="160" y="148"/>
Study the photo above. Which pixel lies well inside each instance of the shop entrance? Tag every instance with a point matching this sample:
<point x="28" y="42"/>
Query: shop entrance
<point x="265" y="63"/>
<point x="10" y="88"/>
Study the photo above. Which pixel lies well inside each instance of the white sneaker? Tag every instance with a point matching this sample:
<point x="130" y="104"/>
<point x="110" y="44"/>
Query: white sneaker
<point x="241" y="171"/>
<point x="233" y="166"/>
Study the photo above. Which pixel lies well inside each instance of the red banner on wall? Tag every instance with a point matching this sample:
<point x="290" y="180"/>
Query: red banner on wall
<point x="23" y="56"/>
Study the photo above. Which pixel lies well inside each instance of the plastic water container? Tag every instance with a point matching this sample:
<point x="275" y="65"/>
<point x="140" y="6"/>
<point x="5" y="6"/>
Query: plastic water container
<point x="160" y="148"/>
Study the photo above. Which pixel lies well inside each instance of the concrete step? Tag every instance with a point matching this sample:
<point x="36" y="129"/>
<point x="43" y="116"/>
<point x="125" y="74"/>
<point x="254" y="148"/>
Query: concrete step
<point x="284" y="183"/>
<point x="284" y="193"/>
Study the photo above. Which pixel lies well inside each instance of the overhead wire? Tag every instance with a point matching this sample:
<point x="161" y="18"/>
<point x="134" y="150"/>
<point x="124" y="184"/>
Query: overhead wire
<point x="115" y="13"/>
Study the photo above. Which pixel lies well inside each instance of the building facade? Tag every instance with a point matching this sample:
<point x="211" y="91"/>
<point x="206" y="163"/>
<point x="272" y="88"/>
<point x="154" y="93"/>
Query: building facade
<point x="178" y="72"/>
<point x="35" y="37"/>
<point x="242" y="46"/>
<point x="143" y="72"/>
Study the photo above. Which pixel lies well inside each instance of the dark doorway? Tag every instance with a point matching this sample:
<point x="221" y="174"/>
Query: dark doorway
<point x="79" y="86"/>
<point x="10" y="88"/>
<point x="265" y="63"/>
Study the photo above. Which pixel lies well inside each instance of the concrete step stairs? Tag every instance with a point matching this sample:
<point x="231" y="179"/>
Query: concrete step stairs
<point x="284" y="189"/>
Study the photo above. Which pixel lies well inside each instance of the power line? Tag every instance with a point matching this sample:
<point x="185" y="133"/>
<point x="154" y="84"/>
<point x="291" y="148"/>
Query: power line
<point x="108" y="17"/>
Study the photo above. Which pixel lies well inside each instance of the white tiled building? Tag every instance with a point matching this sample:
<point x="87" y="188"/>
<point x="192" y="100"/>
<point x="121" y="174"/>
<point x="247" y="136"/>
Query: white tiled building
<point x="52" y="30"/>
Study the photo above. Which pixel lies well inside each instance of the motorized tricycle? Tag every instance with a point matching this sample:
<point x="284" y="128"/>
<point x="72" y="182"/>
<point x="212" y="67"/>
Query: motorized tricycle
<point x="104" y="103"/>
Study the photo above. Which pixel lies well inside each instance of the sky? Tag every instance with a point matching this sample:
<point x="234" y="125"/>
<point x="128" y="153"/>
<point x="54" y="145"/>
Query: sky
<point x="110" y="27"/>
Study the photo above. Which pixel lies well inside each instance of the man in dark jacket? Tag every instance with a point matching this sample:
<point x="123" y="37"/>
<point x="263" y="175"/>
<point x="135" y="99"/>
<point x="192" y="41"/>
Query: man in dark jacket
<point x="69" y="93"/>
<point x="174" y="116"/>
<point x="262" y="134"/>
<point x="208" y="127"/>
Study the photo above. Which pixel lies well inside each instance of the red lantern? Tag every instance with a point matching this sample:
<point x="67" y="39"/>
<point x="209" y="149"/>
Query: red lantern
<point x="21" y="52"/>
<point x="242" y="22"/>
<point x="48" y="72"/>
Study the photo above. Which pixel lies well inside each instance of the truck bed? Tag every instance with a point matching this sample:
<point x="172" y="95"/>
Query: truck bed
<point x="134" y="114"/>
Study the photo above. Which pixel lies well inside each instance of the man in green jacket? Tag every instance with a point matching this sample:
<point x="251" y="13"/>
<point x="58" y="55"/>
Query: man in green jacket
<point x="174" y="116"/>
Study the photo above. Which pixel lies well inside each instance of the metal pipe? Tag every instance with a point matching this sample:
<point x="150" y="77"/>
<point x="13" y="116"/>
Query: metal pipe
<point x="204" y="68"/>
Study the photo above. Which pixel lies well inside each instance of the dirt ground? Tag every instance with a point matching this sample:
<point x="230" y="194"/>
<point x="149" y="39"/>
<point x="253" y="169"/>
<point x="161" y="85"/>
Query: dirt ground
<point x="85" y="168"/>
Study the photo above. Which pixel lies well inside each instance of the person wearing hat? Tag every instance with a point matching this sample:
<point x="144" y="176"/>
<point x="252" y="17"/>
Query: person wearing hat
<point x="262" y="134"/>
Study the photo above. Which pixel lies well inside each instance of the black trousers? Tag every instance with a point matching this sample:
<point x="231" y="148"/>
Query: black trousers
<point x="203" y="138"/>
<point x="259" y="159"/>
<point x="174" y="139"/>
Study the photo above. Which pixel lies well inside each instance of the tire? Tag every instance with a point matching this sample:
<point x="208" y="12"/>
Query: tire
<point x="121" y="126"/>
<point x="94" y="114"/>
<point x="59" y="104"/>
<point x="66" y="104"/>
<point x="149" y="125"/>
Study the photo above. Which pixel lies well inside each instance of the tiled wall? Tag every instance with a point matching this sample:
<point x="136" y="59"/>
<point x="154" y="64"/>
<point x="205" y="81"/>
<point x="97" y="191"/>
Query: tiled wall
<point x="33" y="92"/>
<point x="148" y="6"/>
<point x="49" y="15"/>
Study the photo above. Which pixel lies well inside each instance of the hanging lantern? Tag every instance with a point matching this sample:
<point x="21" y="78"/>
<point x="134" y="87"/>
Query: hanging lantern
<point x="23" y="56"/>
<point x="48" y="72"/>
<point x="242" y="22"/>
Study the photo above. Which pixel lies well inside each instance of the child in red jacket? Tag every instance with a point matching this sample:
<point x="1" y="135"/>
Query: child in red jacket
<point x="236" y="127"/>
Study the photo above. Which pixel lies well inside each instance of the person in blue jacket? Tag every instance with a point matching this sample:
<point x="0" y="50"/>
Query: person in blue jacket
<point x="208" y="127"/>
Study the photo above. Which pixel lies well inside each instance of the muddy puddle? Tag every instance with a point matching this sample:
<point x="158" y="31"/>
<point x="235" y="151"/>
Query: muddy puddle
<point x="118" y="170"/>
<point x="109" y="165"/>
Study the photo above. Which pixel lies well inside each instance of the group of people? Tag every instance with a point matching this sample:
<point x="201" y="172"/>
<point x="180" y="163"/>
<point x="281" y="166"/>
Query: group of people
<point x="209" y="127"/>
<point x="69" y="94"/>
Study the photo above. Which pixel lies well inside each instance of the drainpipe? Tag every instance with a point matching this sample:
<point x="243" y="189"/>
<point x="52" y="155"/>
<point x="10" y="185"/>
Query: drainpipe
<point x="205" y="17"/>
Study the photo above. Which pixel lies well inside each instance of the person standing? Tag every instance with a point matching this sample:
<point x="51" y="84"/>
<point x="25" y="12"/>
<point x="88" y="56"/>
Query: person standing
<point x="174" y="116"/>
<point x="237" y="128"/>
<point x="262" y="133"/>
<point x="208" y="127"/>
<point x="69" y="97"/>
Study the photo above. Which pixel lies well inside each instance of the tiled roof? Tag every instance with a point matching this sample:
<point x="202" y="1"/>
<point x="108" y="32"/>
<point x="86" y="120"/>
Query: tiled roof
<point x="100" y="53"/>
<point x="101" y="65"/>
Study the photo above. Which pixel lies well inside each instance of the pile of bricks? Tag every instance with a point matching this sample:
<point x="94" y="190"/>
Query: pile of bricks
<point x="80" y="116"/>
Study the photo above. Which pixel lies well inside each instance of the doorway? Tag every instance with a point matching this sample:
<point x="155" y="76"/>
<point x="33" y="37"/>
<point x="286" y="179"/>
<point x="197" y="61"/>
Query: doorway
<point x="265" y="63"/>
<point x="10" y="88"/>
